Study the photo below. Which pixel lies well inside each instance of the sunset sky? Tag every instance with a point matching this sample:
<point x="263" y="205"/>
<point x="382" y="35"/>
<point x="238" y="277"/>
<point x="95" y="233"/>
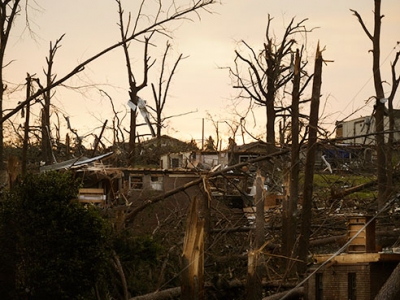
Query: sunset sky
<point x="201" y="84"/>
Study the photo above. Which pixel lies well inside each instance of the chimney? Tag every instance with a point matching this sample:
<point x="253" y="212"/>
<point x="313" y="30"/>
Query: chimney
<point x="365" y="241"/>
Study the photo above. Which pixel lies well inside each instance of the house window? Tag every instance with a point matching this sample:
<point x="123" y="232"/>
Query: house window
<point x="351" y="286"/>
<point x="135" y="182"/>
<point x="318" y="286"/>
<point x="175" y="162"/>
<point x="157" y="183"/>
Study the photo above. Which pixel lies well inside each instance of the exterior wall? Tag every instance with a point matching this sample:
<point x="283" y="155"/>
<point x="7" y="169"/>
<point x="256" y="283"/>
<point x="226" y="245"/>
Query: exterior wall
<point x="144" y="184"/>
<point x="177" y="205"/>
<point x="359" y="126"/>
<point x="370" y="277"/>
<point x="175" y="160"/>
<point x="335" y="282"/>
<point x="209" y="160"/>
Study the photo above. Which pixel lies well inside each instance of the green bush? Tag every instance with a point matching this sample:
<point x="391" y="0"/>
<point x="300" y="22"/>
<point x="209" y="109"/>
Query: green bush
<point x="55" y="249"/>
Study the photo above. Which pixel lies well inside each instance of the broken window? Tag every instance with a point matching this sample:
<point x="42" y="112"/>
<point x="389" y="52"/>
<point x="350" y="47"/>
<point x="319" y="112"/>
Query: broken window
<point x="157" y="183"/>
<point x="319" y="287"/>
<point x="135" y="182"/>
<point x="351" y="286"/>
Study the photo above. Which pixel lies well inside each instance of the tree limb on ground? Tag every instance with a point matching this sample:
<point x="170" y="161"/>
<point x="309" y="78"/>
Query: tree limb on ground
<point x="340" y="193"/>
<point x="232" y="284"/>
<point x="295" y="294"/>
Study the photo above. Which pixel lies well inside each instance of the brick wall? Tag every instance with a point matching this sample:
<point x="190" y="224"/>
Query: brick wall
<point x="369" y="279"/>
<point x="335" y="282"/>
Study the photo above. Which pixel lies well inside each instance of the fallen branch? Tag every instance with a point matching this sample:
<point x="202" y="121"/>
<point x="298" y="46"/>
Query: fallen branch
<point x="232" y="284"/>
<point x="294" y="294"/>
<point x="160" y="295"/>
<point x="340" y="193"/>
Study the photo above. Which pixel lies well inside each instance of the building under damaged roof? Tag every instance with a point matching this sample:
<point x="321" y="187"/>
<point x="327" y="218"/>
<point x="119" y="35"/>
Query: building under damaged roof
<point x="121" y="185"/>
<point x="124" y="185"/>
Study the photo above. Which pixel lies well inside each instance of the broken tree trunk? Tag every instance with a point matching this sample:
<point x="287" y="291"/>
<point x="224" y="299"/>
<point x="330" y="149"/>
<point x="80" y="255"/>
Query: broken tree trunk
<point x="310" y="162"/>
<point x="98" y="139"/>
<point x="391" y="288"/>
<point x="120" y="270"/>
<point x="255" y="265"/>
<point x="192" y="276"/>
<point x="290" y="202"/>
<point x="26" y="126"/>
<point x="289" y="223"/>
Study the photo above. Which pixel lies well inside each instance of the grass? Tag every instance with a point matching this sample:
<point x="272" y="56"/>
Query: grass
<point x="324" y="184"/>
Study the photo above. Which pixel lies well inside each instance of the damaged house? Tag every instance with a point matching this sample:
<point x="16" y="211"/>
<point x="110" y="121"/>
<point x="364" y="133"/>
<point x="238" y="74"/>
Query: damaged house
<point x="355" y="141"/>
<point x="360" y="131"/>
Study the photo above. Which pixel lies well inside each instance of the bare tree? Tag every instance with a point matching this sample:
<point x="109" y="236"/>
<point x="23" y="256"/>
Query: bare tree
<point x="160" y="95"/>
<point x="50" y="77"/>
<point x="8" y="12"/>
<point x="177" y="13"/>
<point x="383" y="161"/>
<point x="134" y="86"/>
<point x="268" y="72"/>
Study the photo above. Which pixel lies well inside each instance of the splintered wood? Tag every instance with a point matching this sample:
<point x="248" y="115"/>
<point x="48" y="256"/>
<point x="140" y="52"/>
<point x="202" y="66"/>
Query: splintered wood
<point x="193" y="256"/>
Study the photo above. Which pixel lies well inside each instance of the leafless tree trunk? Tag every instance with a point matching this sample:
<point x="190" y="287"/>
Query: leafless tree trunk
<point x="8" y="11"/>
<point x="291" y="200"/>
<point x="255" y="256"/>
<point x="134" y="86"/>
<point x="310" y="162"/>
<point x="380" y="103"/>
<point x="26" y="126"/>
<point x="121" y="273"/>
<point x="160" y="95"/>
<point x="98" y="139"/>
<point x="46" y="130"/>
<point x="389" y="151"/>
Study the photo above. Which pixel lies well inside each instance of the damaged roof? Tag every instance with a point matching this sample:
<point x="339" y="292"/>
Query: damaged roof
<point x="74" y="163"/>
